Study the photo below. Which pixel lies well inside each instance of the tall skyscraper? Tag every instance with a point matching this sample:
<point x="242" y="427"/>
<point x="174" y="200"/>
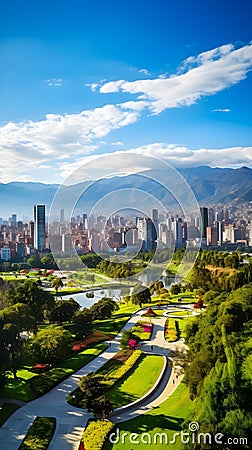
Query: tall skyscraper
<point x="146" y="233"/>
<point x="203" y="221"/>
<point x="62" y="216"/>
<point x="155" y="223"/>
<point x="39" y="227"/>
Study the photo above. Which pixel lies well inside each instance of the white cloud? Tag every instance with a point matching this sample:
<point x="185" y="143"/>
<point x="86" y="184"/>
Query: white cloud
<point x="225" y="110"/>
<point x="204" y="75"/>
<point x="57" y="138"/>
<point x="180" y="156"/>
<point x="93" y="86"/>
<point x="117" y="144"/>
<point x="144" y="71"/>
<point x="54" y="81"/>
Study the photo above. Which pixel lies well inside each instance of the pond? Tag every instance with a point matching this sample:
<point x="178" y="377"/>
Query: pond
<point x="86" y="302"/>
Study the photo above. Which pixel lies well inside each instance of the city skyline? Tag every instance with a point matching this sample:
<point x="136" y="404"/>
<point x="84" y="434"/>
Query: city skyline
<point x="109" y="78"/>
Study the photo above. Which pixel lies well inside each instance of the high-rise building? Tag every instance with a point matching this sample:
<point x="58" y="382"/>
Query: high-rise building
<point x="146" y="233"/>
<point x="39" y="227"/>
<point x="203" y="221"/>
<point x="62" y="216"/>
<point x="155" y="222"/>
<point x="211" y="236"/>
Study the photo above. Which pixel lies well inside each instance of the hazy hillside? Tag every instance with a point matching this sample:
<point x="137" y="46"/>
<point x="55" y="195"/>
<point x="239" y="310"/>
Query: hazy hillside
<point x="210" y="186"/>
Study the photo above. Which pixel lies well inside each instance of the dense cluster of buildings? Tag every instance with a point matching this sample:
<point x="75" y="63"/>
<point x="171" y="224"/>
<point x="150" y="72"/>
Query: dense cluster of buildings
<point x="100" y="234"/>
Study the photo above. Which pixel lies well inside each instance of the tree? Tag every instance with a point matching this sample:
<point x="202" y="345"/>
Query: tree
<point x="57" y="283"/>
<point x="103" y="309"/>
<point x="175" y="289"/>
<point x="127" y="336"/>
<point x="33" y="296"/>
<point x="140" y="294"/>
<point x="52" y="344"/>
<point x="101" y="407"/>
<point x="49" y="262"/>
<point x="82" y="321"/>
<point x="91" y="387"/>
<point x="64" y="310"/>
<point x="13" y="320"/>
<point x="35" y="261"/>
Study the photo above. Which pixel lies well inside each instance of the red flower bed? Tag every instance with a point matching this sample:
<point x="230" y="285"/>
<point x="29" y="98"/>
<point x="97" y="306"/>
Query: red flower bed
<point x="41" y="367"/>
<point x="146" y="327"/>
<point x="97" y="336"/>
<point x="133" y="343"/>
<point x="79" y="346"/>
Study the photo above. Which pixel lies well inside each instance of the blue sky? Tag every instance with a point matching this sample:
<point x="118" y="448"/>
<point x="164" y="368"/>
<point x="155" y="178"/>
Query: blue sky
<point x="81" y="78"/>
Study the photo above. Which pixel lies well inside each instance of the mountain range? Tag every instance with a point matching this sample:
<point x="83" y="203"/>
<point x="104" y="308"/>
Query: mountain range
<point x="211" y="186"/>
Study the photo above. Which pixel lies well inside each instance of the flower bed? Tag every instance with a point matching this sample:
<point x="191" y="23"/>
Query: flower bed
<point x="114" y="370"/>
<point x="97" y="336"/>
<point x="40" y="434"/>
<point x="142" y="330"/>
<point x="39" y="368"/>
<point x="170" y="330"/>
<point x="95" y="434"/>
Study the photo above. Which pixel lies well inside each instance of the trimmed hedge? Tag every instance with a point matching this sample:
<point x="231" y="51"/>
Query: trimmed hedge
<point x="113" y="377"/>
<point x="40" y="434"/>
<point x="171" y="330"/>
<point x="114" y="374"/>
<point x="95" y="434"/>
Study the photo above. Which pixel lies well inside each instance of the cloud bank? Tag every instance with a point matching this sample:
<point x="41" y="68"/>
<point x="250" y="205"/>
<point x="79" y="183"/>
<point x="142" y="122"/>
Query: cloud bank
<point x="46" y="150"/>
<point x="200" y="76"/>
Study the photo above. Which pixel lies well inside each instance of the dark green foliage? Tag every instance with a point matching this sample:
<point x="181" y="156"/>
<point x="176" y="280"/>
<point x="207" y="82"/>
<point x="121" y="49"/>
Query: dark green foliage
<point x="140" y="295"/>
<point x="219" y="375"/>
<point x="82" y="321"/>
<point x="103" y="309"/>
<point x="64" y="310"/>
<point x="51" y="345"/>
<point x="39" y="434"/>
<point x="29" y="293"/>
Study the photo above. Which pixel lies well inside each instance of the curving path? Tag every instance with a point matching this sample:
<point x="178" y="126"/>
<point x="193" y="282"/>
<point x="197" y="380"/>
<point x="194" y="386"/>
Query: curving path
<point x="70" y="420"/>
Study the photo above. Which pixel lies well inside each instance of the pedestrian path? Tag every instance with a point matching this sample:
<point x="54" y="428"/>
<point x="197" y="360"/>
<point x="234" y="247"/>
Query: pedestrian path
<point x="71" y="421"/>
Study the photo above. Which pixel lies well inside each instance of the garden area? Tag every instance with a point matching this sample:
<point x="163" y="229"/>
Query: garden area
<point x="168" y="418"/>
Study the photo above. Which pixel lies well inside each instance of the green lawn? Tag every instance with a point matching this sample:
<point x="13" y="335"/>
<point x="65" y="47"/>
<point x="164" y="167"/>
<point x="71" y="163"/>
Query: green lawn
<point x="167" y="418"/>
<point x="180" y="313"/>
<point x="182" y="325"/>
<point x="137" y="382"/>
<point x="20" y="389"/>
<point x="117" y="321"/>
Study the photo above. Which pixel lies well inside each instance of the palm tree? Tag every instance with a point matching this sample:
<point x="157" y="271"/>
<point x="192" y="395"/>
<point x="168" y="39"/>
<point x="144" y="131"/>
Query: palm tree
<point x="57" y="283"/>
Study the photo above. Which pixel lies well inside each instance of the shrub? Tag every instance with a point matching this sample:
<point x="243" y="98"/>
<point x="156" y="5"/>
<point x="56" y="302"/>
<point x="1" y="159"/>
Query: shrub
<point x="171" y="331"/>
<point x="40" y="434"/>
<point x="95" y="434"/>
<point x="44" y="382"/>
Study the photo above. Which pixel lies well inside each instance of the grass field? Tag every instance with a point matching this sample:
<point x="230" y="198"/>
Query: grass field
<point x="20" y="389"/>
<point x="166" y="418"/>
<point x="137" y="382"/>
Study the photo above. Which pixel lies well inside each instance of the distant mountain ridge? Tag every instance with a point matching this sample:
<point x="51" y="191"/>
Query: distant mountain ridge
<point x="210" y="186"/>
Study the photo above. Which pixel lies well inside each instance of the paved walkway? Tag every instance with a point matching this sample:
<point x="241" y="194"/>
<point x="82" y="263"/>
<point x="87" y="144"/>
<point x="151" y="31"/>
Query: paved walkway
<point x="71" y="421"/>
